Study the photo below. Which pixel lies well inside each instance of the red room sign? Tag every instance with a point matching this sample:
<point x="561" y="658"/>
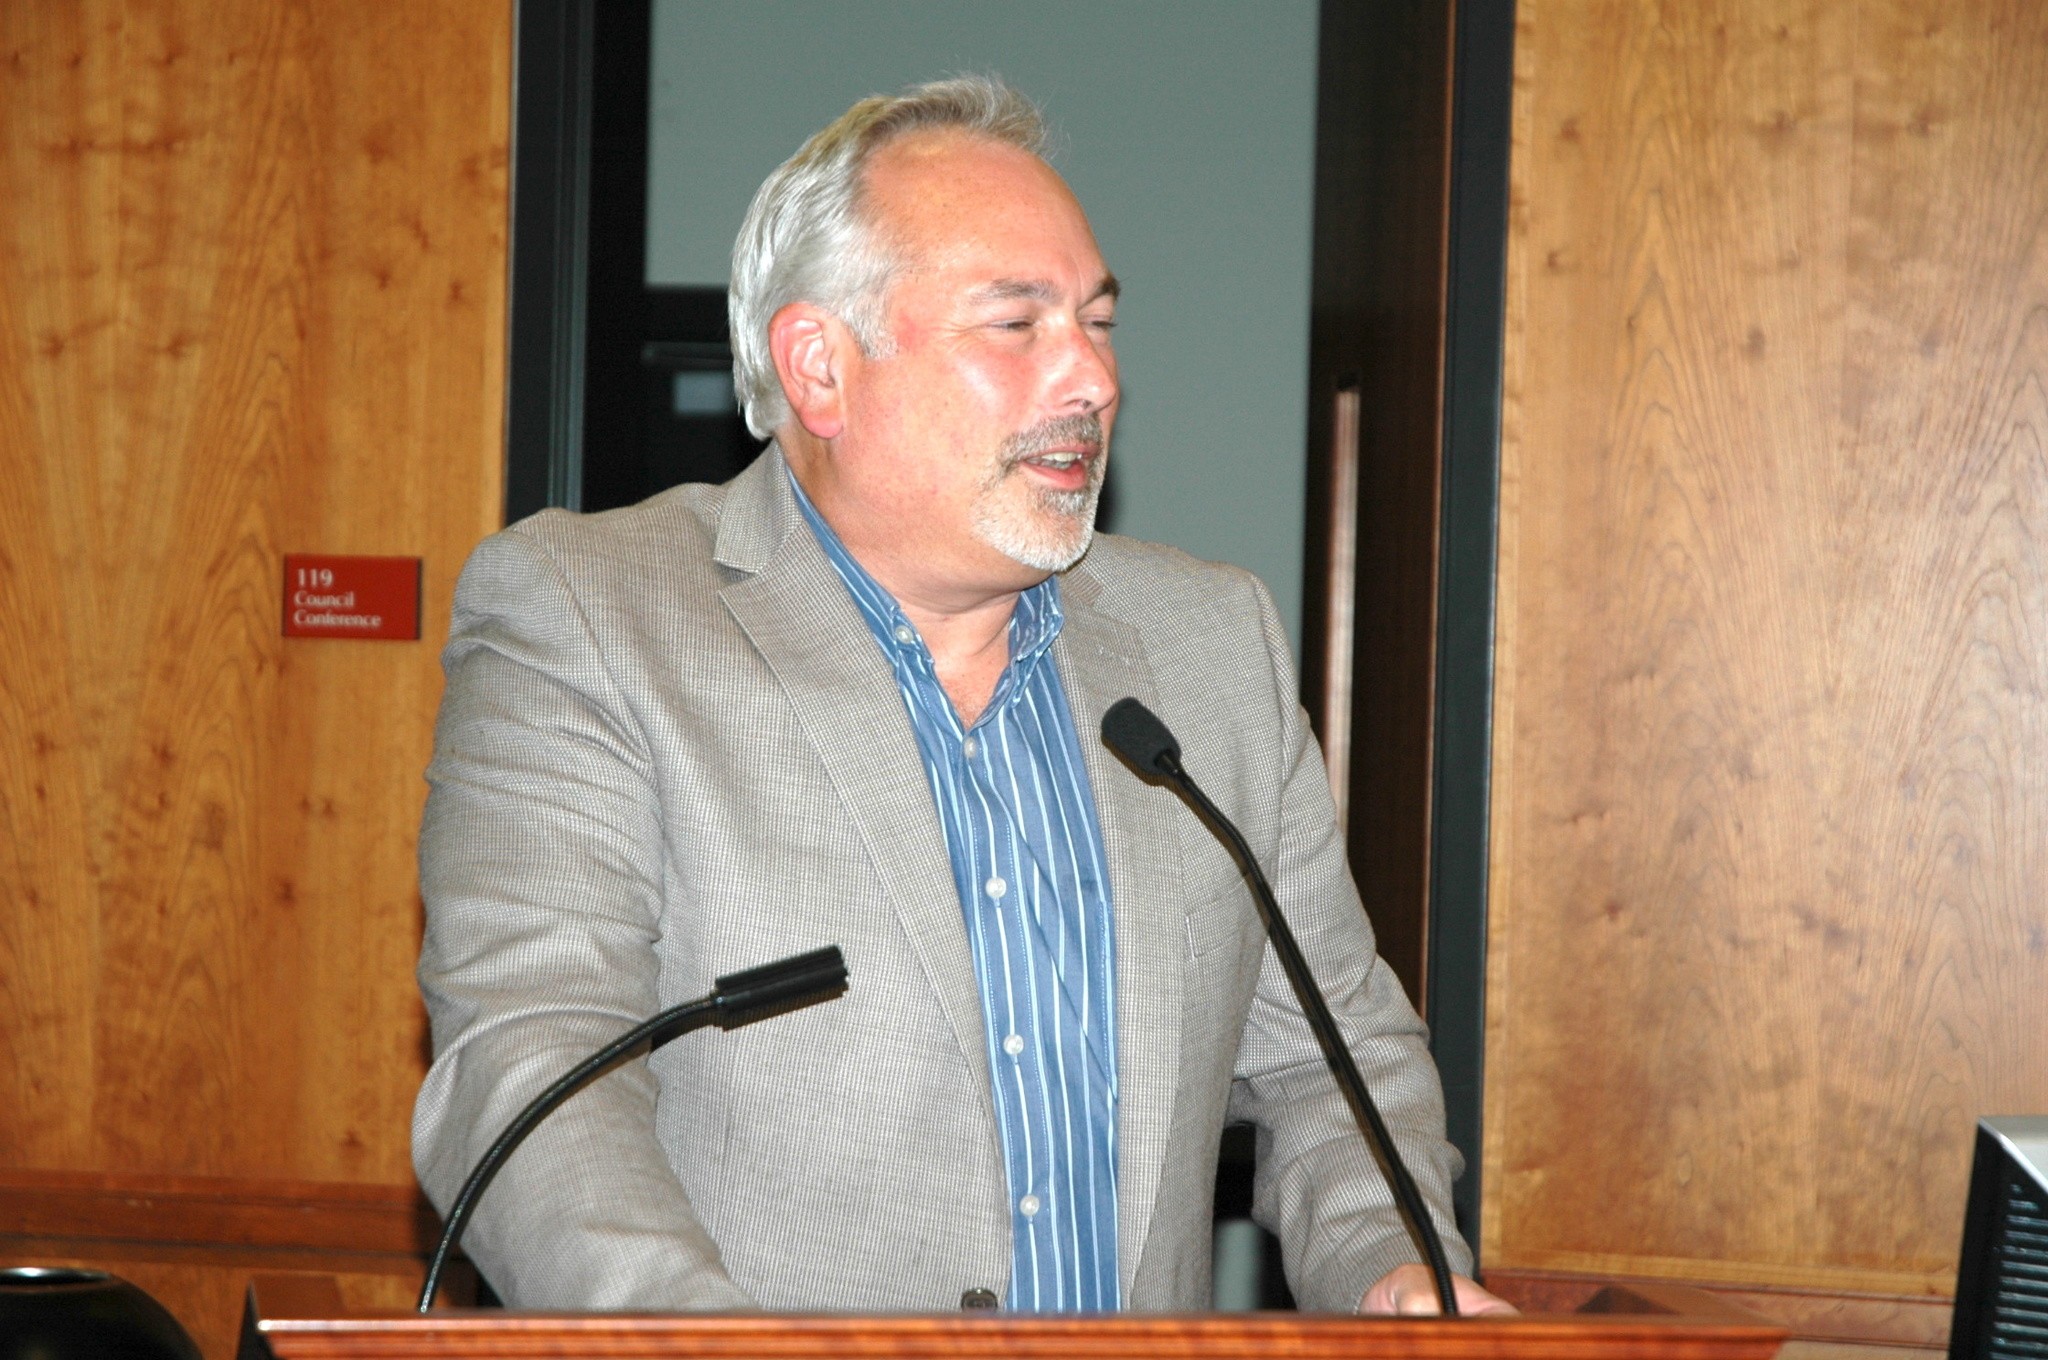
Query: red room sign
<point x="351" y="597"/>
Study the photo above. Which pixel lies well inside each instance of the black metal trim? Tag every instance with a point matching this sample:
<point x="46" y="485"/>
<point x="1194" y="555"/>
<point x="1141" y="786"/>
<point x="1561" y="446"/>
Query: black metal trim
<point x="615" y="304"/>
<point x="1990" y="1171"/>
<point x="1482" y="100"/>
<point x="549" y="274"/>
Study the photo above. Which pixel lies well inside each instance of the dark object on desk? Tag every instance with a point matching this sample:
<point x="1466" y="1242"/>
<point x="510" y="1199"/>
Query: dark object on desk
<point x="2002" y="1285"/>
<point x="60" y="1313"/>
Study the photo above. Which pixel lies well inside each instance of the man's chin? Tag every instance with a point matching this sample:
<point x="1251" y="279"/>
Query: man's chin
<point x="1044" y="549"/>
<point x="1072" y="552"/>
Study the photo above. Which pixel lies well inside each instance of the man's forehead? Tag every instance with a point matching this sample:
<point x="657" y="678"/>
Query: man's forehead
<point x="950" y="199"/>
<point x="955" y="173"/>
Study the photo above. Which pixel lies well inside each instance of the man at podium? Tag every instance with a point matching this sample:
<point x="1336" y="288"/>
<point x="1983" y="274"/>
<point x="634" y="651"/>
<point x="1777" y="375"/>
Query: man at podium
<point x="853" y="697"/>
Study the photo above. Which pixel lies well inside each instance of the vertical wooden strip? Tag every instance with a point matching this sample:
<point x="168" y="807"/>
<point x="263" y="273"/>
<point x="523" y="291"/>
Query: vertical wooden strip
<point x="1340" y="596"/>
<point x="49" y="866"/>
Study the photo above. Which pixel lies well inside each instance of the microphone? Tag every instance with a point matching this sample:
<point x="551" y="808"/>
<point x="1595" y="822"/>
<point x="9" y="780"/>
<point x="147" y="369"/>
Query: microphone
<point x="1135" y="733"/>
<point x="785" y="985"/>
<point x="737" y="999"/>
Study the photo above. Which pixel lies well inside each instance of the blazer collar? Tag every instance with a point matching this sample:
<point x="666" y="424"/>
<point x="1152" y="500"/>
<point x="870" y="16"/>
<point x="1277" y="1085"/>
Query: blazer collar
<point x="758" y="514"/>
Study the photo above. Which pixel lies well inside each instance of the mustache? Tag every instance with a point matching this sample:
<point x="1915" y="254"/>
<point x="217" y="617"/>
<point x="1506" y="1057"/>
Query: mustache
<point x="1048" y="434"/>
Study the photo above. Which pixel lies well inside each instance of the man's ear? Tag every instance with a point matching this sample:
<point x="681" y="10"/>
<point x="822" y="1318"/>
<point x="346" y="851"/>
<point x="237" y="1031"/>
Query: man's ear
<point x="809" y="346"/>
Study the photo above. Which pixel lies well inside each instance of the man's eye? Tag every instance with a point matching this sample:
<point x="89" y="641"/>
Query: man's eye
<point x="1015" y="323"/>
<point x="1103" y="323"/>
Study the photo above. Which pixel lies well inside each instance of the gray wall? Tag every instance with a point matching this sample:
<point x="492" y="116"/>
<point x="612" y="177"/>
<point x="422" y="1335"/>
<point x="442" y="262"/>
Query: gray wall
<point x="1187" y="128"/>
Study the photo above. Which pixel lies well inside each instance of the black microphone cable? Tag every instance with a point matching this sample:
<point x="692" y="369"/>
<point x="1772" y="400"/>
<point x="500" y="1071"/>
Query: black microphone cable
<point x="739" y="999"/>
<point x="1135" y="732"/>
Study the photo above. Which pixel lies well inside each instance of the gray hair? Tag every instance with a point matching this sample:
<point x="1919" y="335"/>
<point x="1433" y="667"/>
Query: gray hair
<point x="806" y="237"/>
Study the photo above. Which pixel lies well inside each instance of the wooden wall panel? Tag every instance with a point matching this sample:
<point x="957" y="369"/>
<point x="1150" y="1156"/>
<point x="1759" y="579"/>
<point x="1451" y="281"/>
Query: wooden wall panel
<point x="1770" y="872"/>
<point x="252" y="272"/>
<point x="194" y="1242"/>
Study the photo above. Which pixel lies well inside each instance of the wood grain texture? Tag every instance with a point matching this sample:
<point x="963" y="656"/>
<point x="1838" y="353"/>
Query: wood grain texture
<point x="1913" y="1321"/>
<point x="251" y="301"/>
<point x="298" y="1318"/>
<point x="216" y="1211"/>
<point x="252" y="280"/>
<point x="1770" y="871"/>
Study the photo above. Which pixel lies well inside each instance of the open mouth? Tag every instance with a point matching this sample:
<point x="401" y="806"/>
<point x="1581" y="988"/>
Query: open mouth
<point x="1065" y="469"/>
<point x="1063" y="453"/>
<point x="1058" y="462"/>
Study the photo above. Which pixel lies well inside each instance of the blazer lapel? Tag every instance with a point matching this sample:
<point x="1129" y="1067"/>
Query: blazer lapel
<point x="1102" y="660"/>
<point x="796" y="611"/>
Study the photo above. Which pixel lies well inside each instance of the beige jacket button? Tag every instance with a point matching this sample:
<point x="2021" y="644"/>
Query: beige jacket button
<point x="978" y="1298"/>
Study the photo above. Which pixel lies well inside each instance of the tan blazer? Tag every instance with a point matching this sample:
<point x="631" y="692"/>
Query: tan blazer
<point x="670" y="749"/>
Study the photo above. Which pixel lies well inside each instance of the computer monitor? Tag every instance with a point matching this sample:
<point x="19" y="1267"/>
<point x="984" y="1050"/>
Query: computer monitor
<point x="2002" y="1285"/>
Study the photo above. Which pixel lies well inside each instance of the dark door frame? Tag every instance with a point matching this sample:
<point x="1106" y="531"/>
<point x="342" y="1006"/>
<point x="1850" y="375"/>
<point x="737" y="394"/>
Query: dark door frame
<point x="578" y="249"/>
<point x="1475" y="333"/>
<point x="1406" y="324"/>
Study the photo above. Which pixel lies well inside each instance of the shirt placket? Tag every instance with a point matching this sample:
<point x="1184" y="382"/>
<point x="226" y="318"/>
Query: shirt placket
<point x="998" y="852"/>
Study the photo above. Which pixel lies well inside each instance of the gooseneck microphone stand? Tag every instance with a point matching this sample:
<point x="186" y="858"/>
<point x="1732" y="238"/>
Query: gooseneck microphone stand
<point x="1135" y="732"/>
<point x="738" y="999"/>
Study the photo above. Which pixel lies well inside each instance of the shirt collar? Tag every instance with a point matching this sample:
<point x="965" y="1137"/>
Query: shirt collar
<point x="1034" y="625"/>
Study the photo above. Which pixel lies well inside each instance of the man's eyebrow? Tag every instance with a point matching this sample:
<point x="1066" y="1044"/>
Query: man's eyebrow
<point x="1014" y="290"/>
<point x="1040" y="290"/>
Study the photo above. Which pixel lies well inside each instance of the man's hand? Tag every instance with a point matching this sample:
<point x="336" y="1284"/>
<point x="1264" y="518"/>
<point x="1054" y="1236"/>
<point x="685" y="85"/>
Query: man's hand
<point x="1409" y="1289"/>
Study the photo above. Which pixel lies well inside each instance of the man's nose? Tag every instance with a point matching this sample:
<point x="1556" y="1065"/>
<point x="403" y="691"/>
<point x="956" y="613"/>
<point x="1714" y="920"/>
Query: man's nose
<point x="1087" y="379"/>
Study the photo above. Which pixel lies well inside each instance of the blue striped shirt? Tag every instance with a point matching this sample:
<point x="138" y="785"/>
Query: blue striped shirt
<point x="1026" y="848"/>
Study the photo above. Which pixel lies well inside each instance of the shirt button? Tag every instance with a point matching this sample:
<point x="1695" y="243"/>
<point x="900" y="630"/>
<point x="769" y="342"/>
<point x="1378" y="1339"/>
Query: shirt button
<point x="995" y="887"/>
<point x="1028" y="1206"/>
<point x="904" y="635"/>
<point x="978" y="1298"/>
<point x="1014" y="1045"/>
<point x="969" y="748"/>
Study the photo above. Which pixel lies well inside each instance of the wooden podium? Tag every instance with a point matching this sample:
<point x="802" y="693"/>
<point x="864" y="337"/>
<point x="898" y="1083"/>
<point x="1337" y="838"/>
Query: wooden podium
<point x="300" y="1317"/>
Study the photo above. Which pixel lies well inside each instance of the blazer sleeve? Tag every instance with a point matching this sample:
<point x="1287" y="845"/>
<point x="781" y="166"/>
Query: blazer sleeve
<point x="1318" y="1185"/>
<point x="541" y="874"/>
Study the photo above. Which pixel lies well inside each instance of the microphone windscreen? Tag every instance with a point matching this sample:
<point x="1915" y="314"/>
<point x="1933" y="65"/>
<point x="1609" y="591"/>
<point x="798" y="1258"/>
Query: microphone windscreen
<point x="772" y="988"/>
<point x="1134" y="732"/>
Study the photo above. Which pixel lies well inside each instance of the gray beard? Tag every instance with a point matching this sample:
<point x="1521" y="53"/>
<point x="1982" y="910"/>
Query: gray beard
<point x="1053" y="532"/>
<point x="1050" y="547"/>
